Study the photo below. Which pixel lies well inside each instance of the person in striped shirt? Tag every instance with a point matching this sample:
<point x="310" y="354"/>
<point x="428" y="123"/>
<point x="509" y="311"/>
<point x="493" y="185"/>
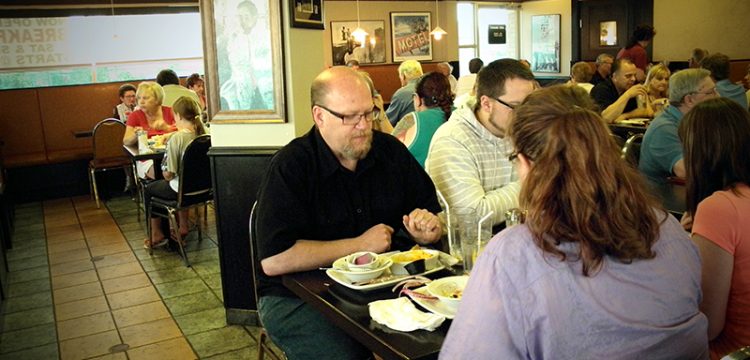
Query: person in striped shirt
<point x="468" y="157"/>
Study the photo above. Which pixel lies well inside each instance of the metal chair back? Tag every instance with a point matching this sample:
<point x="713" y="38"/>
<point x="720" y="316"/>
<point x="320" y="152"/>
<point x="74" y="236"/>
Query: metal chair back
<point x="631" y="151"/>
<point x="107" y="138"/>
<point x="195" y="172"/>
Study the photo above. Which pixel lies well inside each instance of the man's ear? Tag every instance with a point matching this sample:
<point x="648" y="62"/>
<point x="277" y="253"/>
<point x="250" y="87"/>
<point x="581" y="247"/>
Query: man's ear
<point x="485" y="104"/>
<point x="317" y="114"/>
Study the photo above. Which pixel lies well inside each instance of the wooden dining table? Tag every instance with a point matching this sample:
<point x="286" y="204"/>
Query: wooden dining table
<point x="348" y="310"/>
<point x="136" y="155"/>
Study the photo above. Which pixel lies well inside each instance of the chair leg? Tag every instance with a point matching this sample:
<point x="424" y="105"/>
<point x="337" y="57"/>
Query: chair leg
<point x="91" y="185"/>
<point x="264" y="348"/>
<point x="148" y="229"/>
<point x="96" y="190"/>
<point x="205" y="214"/>
<point x="173" y="225"/>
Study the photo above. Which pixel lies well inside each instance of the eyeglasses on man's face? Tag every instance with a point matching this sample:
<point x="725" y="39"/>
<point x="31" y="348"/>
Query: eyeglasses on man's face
<point x="711" y="91"/>
<point x="512" y="107"/>
<point x="354" y="119"/>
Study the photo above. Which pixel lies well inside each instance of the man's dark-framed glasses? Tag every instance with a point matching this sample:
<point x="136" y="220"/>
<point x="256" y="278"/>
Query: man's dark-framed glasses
<point x="512" y="107"/>
<point x="356" y="118"/>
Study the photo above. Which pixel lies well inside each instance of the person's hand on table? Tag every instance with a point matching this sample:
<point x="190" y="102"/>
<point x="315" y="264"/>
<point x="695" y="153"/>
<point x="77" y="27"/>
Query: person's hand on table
<point x="377" y="238"/>
<point x="160" y="125"/>
<point x="423" y="226"/>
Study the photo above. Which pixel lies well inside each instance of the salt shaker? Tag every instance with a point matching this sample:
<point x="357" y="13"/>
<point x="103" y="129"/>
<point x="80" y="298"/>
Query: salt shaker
<point x="514" y="216"/>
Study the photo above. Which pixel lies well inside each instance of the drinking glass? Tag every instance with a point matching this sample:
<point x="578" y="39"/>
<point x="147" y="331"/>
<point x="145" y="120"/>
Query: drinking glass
<point x="458" y="216"/>
<point x="473" y="240"/>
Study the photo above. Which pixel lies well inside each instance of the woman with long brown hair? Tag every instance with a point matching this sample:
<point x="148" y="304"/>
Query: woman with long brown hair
<point x="716" y="143"/>
<point x="598" y="270"/>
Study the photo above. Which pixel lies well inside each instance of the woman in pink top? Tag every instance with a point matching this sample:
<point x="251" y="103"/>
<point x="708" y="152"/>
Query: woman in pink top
<point x="151" y="117"/>
<point x="715" y="142"/>
<point x="635" y="50"/>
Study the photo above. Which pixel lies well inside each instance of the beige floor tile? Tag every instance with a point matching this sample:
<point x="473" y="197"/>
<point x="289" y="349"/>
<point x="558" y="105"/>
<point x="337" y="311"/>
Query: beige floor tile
<point x="83" y="277"/>
<point x="68" y="256"/>
<point x="115" y="356"/>
<point x="72" y="228"/>
<point x="103" y="240"/>
<point x="133" y="297"/>
<point x="63" y="237"/>
<point x="119" y="270"/>
<point x="150" y="332"/>
<point x="57" y="221"/>
<point x="80" y="308"/>
<point x="71" y="267"/>
<point x="140" y="314"/>
<point x="66" y="246"/>
<point x="88" y="346"/>
<point x="115" y="259"/>
<point x="129" y="282"/>
<point x="86" y="325"/>
<point x="78" y="292"/>
<point x="111" y="248"/>
<point x="177" y="349"/>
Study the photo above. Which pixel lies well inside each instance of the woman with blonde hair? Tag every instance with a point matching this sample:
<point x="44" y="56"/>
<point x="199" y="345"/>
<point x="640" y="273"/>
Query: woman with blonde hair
<point x="187" y="114"/>
<point x="715" y="142"/>
<point x="597" y="271"/>
<point x="657" y="85"/>
<point x="149" y="116"/>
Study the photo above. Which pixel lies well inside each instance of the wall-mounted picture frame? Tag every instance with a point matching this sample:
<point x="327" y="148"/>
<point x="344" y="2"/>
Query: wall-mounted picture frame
<point x="410" y="36"/>
<point x="307" y="14"/>
<point x="545" y="43"/>
<point x="244" y="61"/>
<point x="345" y="47"/>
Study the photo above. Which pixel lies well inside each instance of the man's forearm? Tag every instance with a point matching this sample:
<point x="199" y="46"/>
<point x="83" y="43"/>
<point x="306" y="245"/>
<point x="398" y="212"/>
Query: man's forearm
<point x="614" y="110"/>
<point x="307" y="255"/>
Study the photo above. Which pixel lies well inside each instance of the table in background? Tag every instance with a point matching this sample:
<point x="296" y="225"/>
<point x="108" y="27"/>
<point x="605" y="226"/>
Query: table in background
<point x="672" y="197"/>
<point x="348" y="310"/>
<point x="136" y="155"/>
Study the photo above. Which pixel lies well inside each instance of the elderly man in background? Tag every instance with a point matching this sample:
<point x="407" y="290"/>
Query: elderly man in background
<point x="446" y="69"/>
<point x="603" y="68"/>
<point x="328" y="194"/>
<point x="127" y="103"/>
<point x="169" y="81"/>
<point x="468" y="157"/>
<point x="617" y="96"/>
<point x="718" y="65"/>
<point x="661" y="150"/>
<point x="401" y="102"/>
<point x="696" y="58"/>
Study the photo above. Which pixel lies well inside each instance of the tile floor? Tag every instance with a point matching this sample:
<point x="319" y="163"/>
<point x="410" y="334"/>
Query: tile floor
<point x="81" y="286"/>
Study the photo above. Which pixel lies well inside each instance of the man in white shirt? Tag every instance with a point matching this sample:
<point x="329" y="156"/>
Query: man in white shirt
<point x="466" y="82"/>
<point x="169" y="81"/>
<point x="468" y="158"/>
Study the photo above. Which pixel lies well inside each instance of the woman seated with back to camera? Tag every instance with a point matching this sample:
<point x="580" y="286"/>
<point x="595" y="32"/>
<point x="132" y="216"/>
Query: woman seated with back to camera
<point x="151" y="117"/>
<point x="187" y="115"/>
<point x="597" y="271"/>
<point x="433" y="102"/>
<point x="715" y="142"/>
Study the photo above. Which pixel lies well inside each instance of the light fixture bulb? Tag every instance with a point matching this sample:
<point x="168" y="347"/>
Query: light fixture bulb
<point x="438" y="33"/>
<point x="360" y="35"/>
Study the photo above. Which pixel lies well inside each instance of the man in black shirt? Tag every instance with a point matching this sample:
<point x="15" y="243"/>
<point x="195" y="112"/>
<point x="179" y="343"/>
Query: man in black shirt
<point x="603" y="68"/>
<point x="339" y="189"/>
<point x="616" y="96"/>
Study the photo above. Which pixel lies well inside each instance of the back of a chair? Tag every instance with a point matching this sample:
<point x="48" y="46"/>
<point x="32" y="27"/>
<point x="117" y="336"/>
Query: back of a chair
<point x="631" y="152"/>
<point x="254" y="249"/>
<point x="195" y="171"/>
<point x="108" y="135"/>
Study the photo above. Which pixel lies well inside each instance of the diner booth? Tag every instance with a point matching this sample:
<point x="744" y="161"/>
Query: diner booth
<point x="45" y="130"/>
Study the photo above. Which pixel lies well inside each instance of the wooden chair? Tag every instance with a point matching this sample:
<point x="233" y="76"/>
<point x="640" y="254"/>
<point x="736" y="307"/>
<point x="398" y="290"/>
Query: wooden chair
<point x="263" y="347"/>
<point x="108" y="153"/>
<point x="195" y="190"/>
<point x="631" y="151"/>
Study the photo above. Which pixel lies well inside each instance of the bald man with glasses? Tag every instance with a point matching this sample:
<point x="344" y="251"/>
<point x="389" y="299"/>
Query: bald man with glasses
<point x="339" y="189"/>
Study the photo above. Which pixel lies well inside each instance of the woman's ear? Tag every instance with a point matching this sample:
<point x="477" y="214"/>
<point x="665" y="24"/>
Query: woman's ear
<point x="524" y="166"/>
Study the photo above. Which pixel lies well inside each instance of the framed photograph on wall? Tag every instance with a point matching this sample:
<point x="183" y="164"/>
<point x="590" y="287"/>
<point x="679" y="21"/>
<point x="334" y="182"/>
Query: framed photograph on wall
<point x="307" y="14"/>
<point x="545" y="43"/>
<point x="243" y="60"/>
<point x="410" y="36"/>
<point x="345" y="47"/>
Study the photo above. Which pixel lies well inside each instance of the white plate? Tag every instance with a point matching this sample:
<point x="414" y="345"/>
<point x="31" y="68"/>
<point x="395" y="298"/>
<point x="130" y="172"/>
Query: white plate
<point x="434" y="306"/>
<point x="634" y="121"/>
<point x="343" y="280"/>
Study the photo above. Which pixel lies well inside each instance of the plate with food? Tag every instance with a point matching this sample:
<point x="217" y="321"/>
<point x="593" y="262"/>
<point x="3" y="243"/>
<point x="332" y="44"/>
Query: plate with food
<point x="441" y="296"/>
<point x="401" y="265"/>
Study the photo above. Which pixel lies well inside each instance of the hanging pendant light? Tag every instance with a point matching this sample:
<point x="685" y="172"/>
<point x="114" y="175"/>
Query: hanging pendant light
<point x="359" y="34"/>
<point x="437" y="32"/>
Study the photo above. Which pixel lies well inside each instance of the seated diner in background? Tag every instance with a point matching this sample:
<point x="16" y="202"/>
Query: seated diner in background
<point x="661" y="149"/>
<point x="719" y="66"/>
<point x="195" y="83"/>
<point x="715" y="137"/>
<point x="187" y="114"/>
<point x="433" y="101"/>
<point x="127" y="102"/>
<point x="616" y="96"/>
<point x="576" y="280"/>
<point x="150" y="117"/>
<point x="580" y="74"/>
<point x="603" y="68"/>
<point x="330" y="193"/>
<point x="380" y="120"/>
<point x="657" y="85"/>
